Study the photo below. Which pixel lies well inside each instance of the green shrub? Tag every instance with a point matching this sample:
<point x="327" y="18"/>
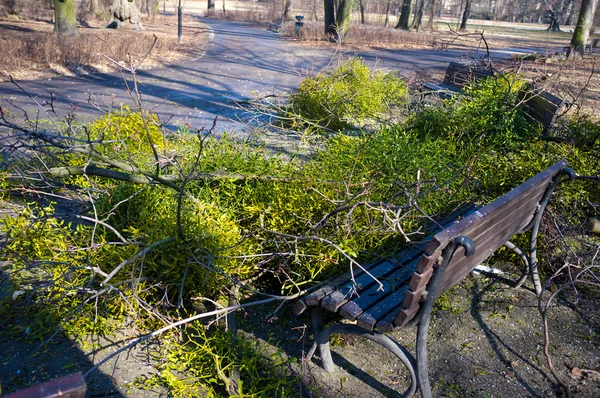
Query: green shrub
<point x="350" y="95"/>
<point x="202" y="365"/>
<point x="472" y="149"/>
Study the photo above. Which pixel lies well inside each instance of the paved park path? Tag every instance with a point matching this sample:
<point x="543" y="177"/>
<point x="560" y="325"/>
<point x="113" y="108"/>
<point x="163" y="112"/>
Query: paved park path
<point x="241" y="61"/>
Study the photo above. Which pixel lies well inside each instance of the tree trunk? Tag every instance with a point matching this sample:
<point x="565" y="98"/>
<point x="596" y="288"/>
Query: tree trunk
<point x="418" y="19"/>
<point x="434" y="5"/>
<point x="64" y="17"/>
<point x="361" y="5"/>
<point x="554" y="25"/>
<point x="329" y="18"/>
<point x="466" y="14"/>
<point x="493" y="10"/>
<point x="314" y="11"/>
<point x="12" y="6"/>
<point x="387" y="13"/>
<point x="404" y="15"/>
<point x="582" y="30"/>
<point x="93" y="7"/>
<point x="287" y="10"/>
<point x="211" y="4"/>
<point x="570" y="19"/>
<point x="342" y="17"/>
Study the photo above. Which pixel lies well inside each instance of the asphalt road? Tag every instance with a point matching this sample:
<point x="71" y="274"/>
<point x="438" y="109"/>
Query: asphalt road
<point x="241" y="62"/>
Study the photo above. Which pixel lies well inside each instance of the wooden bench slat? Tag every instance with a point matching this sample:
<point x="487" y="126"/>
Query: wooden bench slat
<point x="367" y="320"/>
<point x="478" y="224"/>
<point x="333" y="301"/>
<point x="315" y="297"/>
<point x="442" y="238"/>
<point x="504" y="217"/>
<point x="368" y="298"/>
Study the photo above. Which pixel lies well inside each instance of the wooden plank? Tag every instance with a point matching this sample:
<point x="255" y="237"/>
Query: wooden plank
<point x="515" y="209"/>
<point x="333" y="301"/>
<point x="479" y="223"/>
<point x="412" y="298"/>
<point x="368" y="298"/>
<point x="391" y="303"/>
<point x="543" y="178"/>
<point x="489" y="235"/>
<point x="462" y="265"/>
<point x="313" y="298"/>
<point x="403" y="317"/>
<point x="419" y="280"/>
<point x="71" y="386"/>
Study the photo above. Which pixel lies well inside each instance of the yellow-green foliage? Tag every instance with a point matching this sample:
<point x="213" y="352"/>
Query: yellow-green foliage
<point x="469" y="150"/>
<point x="206" y="358"/>
<point x="349" y="95"/>
<point x="125" y="135"/>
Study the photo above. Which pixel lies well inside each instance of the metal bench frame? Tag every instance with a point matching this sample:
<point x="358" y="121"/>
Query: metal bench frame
<point x="418" y="369"/>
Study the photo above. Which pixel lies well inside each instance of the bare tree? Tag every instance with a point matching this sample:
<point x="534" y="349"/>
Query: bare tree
<point x="434" y="6"/>
<point x="387" y="13"/>
<point x="64" y="17"/>
<point x="582" y="30"/>
<point x="342" y="18"/>
<point x="287" y="10"/>
<point x="337" y="18"/>
<point x="418" y="18"/>
<point x="329" y="17"/>
<point x="404" y="15"/>
<point x="465" y="15"/>
<point x="361" y="6"/>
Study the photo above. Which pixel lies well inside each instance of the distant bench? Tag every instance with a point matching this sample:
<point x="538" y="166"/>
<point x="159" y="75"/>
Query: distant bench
<point x="457" y="76"/>
<point x="275" y="26"/>
<point x="414" y="278"/>
<point x="538" y="105"/>
<point x="542" y="107"/>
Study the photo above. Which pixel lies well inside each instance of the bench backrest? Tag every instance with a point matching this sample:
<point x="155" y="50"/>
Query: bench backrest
<point x="542" y="106"/>
<point x="489" y="228"/>
<point x="459" y="75"/>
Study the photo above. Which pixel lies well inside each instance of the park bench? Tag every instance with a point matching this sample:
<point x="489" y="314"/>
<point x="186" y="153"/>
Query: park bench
<point x="542" y="107"/>
<point x="415" y="277"/>
<point x="275" y="26"/>
<point x="457" y="76"/>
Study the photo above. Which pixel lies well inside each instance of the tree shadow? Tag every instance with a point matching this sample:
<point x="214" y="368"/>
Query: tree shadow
<point x="497" y="343"/>
<point x="28" y="356"/>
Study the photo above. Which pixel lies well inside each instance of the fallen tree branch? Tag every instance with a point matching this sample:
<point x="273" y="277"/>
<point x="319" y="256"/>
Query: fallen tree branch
<point x="188" y="320"/>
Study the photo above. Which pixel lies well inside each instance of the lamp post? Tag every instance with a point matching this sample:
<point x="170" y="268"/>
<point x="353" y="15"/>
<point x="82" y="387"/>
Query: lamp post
<point x="179" y="23"/>
<point x="299" y="24"/>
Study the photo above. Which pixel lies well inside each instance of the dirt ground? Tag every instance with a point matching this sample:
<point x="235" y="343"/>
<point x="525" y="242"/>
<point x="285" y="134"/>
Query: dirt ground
<point x="485" y="341"/>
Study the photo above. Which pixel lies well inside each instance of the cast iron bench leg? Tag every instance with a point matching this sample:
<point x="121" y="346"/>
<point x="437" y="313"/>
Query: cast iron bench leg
<point x="423" y="330"/>
<point x="322" y="342"/>
<point x="511" y="246"/>
<point x="536" y="226"/>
